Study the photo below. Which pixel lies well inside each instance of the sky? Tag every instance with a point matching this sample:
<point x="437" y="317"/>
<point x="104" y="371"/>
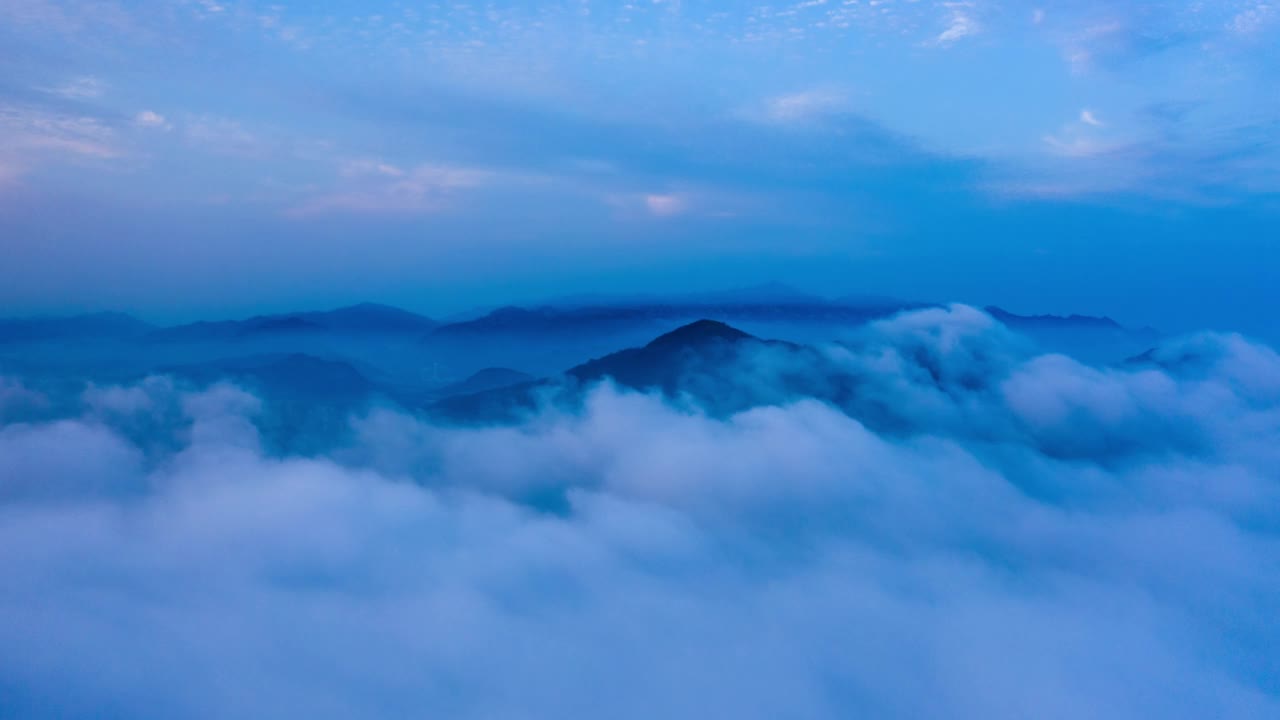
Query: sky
<point x="199" y="158"/>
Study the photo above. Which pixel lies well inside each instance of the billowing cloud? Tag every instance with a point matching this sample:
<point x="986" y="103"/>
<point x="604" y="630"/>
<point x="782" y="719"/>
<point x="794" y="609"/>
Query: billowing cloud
<point x="973" y="531"/>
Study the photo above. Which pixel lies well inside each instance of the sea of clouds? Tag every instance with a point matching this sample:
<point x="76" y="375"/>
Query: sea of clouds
<point x="964" y="530"/>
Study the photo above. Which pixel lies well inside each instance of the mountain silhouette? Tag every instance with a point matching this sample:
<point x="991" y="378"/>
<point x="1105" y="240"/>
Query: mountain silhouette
<point x="701" y="346"/>
<point x="1023" y="322"/>
<point x="693" y="358"/>
<point x="363" y="319"/>
<point x="602" y="315"/>
<point x="482" y="380"/>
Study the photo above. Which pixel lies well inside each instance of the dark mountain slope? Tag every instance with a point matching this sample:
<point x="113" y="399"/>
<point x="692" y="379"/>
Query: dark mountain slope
<point x="702" y="346"/>
<point x="698" y="359"/>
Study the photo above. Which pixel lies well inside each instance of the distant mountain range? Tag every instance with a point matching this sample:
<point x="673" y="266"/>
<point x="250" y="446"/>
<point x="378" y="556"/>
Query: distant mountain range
<point x="1051" y="321"/>
<point x="363" y="319"/>
<point x="369" y="349"/>
<point x="577" y="314"/>
<point x="586" y="315"/>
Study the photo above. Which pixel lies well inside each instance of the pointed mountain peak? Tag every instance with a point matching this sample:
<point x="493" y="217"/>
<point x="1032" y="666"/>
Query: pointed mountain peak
<point x="699" y="333"/>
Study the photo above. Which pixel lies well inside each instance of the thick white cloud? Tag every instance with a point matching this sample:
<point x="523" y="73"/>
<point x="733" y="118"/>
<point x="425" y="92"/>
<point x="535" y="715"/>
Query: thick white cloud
<point x="1028" y="537"/>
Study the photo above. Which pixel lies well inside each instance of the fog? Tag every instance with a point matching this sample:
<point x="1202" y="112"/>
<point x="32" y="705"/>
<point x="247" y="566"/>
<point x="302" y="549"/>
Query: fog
<point x="928" y="520"/>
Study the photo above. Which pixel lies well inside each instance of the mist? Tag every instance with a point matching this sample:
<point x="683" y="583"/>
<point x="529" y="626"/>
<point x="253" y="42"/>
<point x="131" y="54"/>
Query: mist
<point x="930" y="518"/>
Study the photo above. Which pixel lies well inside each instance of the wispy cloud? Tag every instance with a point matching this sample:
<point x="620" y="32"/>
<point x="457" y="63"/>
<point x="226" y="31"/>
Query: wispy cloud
<point x="369" y="166"/>
<point x="1253" y="19"/>
<point x="223" y="135"/>
<point x="33" y="130"/>
<point x="211" y="6"/>
<point x="81" y="88"/>
<point x="961" y="23"/>
<point x="382" y="189"/>
<point x="152" y="119"/>
<point x="69" y="18"/>
<point x="798" y="108"/>
<point x="666" y="205"/>
<point x="10" y="171"/>
<point x="36" y="138"/>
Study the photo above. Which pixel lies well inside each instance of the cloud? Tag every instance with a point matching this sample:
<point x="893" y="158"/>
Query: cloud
<point x="1252" y="20"/>
<point x="33" y="134"/>
<point x="665" y="205"/>
<point x="151" y="119"/>
<point x="224" y="136"/>
<point x="976" y="532"/>
<point x="801" y="107"/>
<point x="9" y="173"/>
<point x="81" y="88"/>
<point x="366" y="166"/>
<point x="961" y="24"/>
<point x="212" y="6"/>
<point x="1154" y="159"/>
<point x="1077" y="146"/>
<point x="67" y="18"/>
<point x="385" y="189"/>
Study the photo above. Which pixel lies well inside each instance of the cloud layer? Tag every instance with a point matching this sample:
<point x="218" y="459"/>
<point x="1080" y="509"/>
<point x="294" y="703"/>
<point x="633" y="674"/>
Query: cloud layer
<point x="975" y="532"/>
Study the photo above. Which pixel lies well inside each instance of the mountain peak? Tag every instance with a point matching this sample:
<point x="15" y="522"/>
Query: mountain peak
<point x="699" y="332"/>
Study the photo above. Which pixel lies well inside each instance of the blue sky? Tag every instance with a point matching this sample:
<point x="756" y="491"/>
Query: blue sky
<point x="191" y="159"/>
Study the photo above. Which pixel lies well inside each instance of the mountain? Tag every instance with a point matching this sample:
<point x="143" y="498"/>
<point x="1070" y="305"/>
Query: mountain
<point x="548" y="338"/>
<point x="769" y="293"/>
<point x="94" y="326"/>
<point x="372" y="318"/>
<point x="363" y="319"/>
<point x="1028" y="322"/>
<point x="543" y="321"/>
<point x="701" y="346"/>
<point x="291" y="375"/>
<point x="582" y="319"/>
<point x="484" y="380"/>
<point x="1084" y="337"/>
<point x="696" y="358"/>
